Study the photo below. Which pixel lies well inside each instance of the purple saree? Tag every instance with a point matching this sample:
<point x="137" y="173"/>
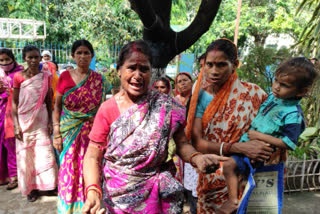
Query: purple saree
<point x="8" y="165"/>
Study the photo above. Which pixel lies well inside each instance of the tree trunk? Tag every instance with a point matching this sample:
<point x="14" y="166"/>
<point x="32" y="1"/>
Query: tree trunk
<point x="164" y="42"/>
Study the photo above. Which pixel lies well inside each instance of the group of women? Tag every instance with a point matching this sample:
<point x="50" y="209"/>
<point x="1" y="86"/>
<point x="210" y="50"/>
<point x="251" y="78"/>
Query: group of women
<point x="130" y="133"/>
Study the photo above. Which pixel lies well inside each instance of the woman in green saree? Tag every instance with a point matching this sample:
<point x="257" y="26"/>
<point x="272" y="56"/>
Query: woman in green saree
<point x="79" y="95"/>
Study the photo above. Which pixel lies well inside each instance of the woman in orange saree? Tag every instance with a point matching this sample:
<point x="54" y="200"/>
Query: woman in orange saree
<point x="219" y="115"/>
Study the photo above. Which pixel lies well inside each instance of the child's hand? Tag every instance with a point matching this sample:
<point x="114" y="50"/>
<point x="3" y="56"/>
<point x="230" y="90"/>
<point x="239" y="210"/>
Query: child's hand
<point x="254" y="135"/>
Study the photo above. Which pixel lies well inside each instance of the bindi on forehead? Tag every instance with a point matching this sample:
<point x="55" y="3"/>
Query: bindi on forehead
<point x="215" y="51"/>
<point x="137" y="57"/>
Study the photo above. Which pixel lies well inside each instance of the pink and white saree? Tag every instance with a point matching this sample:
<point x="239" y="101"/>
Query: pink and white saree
<point x="37" y="168"/>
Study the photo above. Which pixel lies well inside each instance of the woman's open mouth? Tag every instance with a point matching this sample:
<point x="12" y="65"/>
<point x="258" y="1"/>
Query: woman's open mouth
<point x="136" y="86"/>
<point x="214" y="80"/>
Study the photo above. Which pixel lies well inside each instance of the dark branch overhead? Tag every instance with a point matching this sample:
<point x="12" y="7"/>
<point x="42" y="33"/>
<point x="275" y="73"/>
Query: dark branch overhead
<point x="166" y="43"/>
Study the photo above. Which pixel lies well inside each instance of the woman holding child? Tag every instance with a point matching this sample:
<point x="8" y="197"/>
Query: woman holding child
<point x="218" y="115"/>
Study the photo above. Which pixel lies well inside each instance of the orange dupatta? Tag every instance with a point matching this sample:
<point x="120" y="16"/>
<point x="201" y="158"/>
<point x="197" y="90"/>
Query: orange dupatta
<point x="220" y="99"/>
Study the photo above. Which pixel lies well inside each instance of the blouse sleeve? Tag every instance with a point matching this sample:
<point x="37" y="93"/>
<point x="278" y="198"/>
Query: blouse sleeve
<point x="200" y="107"/>
<point x="61" y="83"/>
<point x="107" y="113"/>
<point x="101" y="127"/>
<point x="17" y="80"/>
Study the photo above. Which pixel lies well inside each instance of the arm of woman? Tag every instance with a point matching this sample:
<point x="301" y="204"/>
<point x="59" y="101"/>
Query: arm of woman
<point x="15" y="103"/>
<point x="254" y="149"/>
<point x="201" y="144"/>
<point x="48" y="101"/>
<point x="57" y="139"/>
<point x="186" y="151"/>
<point x="91" y="173"/>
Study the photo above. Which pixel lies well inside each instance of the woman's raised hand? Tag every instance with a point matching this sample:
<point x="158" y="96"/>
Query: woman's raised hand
<point x="204" y="161"/>
<point x="92" y="204"/>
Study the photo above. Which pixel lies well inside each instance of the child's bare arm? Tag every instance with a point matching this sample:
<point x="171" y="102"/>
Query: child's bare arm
<point x="277" y="142"/>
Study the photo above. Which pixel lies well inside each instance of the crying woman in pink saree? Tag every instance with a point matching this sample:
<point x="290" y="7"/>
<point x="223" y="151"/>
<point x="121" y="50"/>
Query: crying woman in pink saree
<point x="37" y="169"/>
<point x="133" y="130"/>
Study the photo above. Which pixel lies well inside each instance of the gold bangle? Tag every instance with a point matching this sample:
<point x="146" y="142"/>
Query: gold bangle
<point x="192" y="156"/>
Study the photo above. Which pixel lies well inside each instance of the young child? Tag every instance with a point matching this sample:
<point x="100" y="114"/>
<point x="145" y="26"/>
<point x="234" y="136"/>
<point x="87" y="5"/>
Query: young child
<point x="32" y="117"/>
<point x="279" y="121"/>
<point x="8" y="165"/>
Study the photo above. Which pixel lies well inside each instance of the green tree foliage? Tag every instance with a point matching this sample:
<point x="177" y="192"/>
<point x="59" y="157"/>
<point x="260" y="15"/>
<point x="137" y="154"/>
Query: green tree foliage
<point x="260" y="64"/>
<point x="309" y="41"/>
<point x="113" y="21"/>
<point x="27" y="9"/>
<point x="258" y="20"/>
<point x="183" y="12"/>
<point x="105" y="21"/>
<point x="102" y="22"/>
<point x="41" y="10"/>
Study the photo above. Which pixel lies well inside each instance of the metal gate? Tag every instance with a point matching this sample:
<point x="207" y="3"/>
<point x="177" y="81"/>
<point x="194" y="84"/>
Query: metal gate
<point x="302" y="175"/>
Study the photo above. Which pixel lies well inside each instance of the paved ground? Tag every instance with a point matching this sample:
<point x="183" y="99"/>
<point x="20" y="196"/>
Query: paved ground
<point x="11" y="202"/>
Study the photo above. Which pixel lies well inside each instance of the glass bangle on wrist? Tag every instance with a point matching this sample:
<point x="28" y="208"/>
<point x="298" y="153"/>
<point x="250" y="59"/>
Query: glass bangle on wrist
<point x="94" y="187"/>
<point x="221" y="149"/>
<point x="192" y="156"/>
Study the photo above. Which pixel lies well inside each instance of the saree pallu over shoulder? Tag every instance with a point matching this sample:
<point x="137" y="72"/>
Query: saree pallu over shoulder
<point x="137" y="178"/>
<point x="226" y="119"/>
<point x="79" y="106"/>
<point x="29" y="107"/>
<point x="37" y="168"/>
